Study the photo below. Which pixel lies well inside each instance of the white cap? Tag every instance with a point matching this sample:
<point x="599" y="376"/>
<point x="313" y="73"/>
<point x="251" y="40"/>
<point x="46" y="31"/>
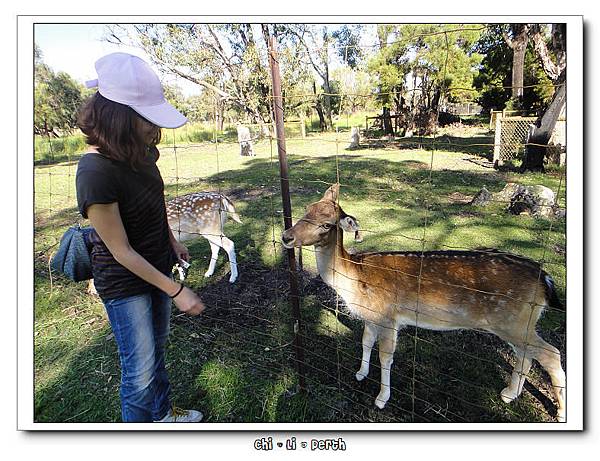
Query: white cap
<point x="127" y="79"/>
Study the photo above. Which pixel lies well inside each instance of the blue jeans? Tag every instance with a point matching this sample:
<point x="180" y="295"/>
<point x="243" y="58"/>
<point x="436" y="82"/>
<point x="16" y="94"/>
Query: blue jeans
<point x="140" y="324"/>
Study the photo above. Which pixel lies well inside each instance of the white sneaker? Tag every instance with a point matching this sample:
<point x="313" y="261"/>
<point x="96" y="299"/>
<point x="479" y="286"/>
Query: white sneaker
<point x="177" y="415"/>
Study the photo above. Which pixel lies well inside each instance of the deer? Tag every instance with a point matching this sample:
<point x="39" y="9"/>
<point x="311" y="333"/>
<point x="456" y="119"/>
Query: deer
<point x="203" y="214"/>
<point x="500" y="293"/>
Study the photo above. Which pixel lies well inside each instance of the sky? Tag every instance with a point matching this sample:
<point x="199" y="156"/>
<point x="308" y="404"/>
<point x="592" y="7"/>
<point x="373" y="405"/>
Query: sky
<point x="74" y="48"/>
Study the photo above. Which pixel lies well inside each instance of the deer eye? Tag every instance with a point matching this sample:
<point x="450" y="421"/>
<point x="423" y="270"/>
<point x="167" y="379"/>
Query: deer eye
<point x="326" y="225"/>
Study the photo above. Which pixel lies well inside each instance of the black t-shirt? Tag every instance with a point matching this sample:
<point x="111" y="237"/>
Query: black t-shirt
<point x="140" y="195"/>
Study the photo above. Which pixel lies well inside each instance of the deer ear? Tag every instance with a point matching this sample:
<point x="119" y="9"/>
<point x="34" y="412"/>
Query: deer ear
<point x="332" y="193"/>
<point x="350" y="224"/>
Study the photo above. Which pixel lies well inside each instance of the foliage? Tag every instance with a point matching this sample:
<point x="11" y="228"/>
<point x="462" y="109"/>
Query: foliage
<point x="494" y="78"/>
<point x="57" y="99"/>
<point x="437" y="57"/>
<point x="354" y="85"/>
<point x="348" y="44"/>
<point x="224" y="59"/>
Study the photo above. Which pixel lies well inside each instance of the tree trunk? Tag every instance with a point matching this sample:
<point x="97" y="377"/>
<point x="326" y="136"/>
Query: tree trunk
<point x="538" y="141"/>
<point x="387" y="121"/>
<point x="518" y="44"/>
<point x="327" y="106"/>
<point x="519" y="48"/>
<point x="322" y="121"/>
<point x="540" y="137"/>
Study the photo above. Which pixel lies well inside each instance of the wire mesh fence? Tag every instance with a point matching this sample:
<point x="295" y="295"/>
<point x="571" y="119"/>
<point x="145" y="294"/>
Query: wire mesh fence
<point x="408" y="193"/>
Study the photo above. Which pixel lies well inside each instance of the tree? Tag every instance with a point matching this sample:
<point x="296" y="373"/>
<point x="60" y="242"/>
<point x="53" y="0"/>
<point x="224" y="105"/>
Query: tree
<point x="420" y="66"/>
<point x="494" y="79"/>
<point x="224" y="59"/>
<point x="316" y="40"/>
<point x="57" y="98"/>
<point x="553" y="59"/>
<point x="518" y="44"/>
<point x="354" y="84"/>
<point x="348" y="44"/>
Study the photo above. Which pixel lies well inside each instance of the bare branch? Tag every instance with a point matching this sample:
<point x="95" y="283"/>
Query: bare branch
<point x="552" y="69"/>
<point x="200" y="82"/>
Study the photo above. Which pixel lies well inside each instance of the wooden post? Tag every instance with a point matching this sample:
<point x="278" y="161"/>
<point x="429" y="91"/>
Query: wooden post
<point x="287" y="206"/>
<point x="497" y="140"/>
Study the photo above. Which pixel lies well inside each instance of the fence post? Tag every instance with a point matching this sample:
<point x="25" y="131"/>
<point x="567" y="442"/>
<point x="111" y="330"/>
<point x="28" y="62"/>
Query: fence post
<point x="497" y="161"/>
<point x="287" y="206"/>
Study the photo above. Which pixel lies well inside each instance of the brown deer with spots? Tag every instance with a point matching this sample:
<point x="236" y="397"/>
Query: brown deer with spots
<point x="501" y="293"/>
<point x="204" y="214"/>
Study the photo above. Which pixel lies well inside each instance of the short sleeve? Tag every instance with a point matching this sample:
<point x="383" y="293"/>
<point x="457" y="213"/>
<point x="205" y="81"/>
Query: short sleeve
<point x="94" y="184"/>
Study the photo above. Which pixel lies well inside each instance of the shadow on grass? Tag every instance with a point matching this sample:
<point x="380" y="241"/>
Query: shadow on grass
<point x="482" y="146"/>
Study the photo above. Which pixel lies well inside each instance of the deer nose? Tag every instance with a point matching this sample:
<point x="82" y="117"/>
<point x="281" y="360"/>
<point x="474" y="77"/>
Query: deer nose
<point x="287" y="238"/>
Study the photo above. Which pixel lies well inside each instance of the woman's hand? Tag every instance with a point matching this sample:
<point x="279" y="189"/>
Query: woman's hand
<point x="187" y="301"/>
<point x="181" y="251"/>
<point x="107" y="221"/>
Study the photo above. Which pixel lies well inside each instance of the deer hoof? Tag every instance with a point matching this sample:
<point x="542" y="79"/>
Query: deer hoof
<point x="381" y="400"/>
<point x="360" y="375"/>
<point x="507" y="395"/>
<point x="208" y="274"/>
<point x="380" y="404"/>
<point x="232" y="278"/>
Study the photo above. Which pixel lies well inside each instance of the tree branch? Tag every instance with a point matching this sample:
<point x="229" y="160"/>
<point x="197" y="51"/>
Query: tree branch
<point x="552" y="69"/>
<point x="507" y="39"/>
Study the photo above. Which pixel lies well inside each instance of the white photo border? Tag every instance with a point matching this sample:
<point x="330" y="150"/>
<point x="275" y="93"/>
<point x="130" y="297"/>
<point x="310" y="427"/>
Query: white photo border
<point x="575" y="222"/>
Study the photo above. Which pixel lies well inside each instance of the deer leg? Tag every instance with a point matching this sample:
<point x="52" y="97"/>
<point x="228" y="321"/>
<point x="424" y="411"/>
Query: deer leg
<point x="229" y="248"/>
<point x="549" y="357"/>
<point x="368" y="339"/>
<point x="214" y="248"/>
<point x="519" y="374"/>
<point x="220" y="241"/>
<point x="387" y="346"/>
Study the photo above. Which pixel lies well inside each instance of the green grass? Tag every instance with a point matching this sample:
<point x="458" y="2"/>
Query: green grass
<point x="236" y="362"/>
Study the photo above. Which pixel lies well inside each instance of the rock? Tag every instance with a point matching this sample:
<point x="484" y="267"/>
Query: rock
<point x="482" y="198"/>
<point x="536" y="200"/>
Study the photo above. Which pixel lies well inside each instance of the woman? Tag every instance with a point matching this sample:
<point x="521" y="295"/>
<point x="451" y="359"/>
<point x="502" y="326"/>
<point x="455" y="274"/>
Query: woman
<point x="120" y="190"/>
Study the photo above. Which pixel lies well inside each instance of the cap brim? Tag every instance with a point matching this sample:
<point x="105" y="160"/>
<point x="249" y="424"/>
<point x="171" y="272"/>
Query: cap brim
<point x="163" y="115"/>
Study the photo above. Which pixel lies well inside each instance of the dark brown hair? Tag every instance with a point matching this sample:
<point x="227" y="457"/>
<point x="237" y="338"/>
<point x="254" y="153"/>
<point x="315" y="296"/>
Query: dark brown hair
<point x="118" y="131"/>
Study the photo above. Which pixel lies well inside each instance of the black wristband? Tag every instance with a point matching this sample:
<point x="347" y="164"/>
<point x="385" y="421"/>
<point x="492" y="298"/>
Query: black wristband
<point x="178" y="291"/>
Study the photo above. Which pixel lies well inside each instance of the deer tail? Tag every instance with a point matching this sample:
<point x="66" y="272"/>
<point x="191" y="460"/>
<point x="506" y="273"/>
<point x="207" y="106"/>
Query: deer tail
<point x="229" y="208"/>
<point x="551" y="295"/>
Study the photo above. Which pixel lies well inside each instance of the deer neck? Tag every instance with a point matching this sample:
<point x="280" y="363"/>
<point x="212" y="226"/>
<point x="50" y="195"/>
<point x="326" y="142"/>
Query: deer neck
<point x="332" y="260"/>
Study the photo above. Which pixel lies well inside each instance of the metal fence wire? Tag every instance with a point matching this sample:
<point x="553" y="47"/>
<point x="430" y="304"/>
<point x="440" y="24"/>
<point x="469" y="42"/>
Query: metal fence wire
<point x="254" y="357"/>
<point x="514" y="134"/>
